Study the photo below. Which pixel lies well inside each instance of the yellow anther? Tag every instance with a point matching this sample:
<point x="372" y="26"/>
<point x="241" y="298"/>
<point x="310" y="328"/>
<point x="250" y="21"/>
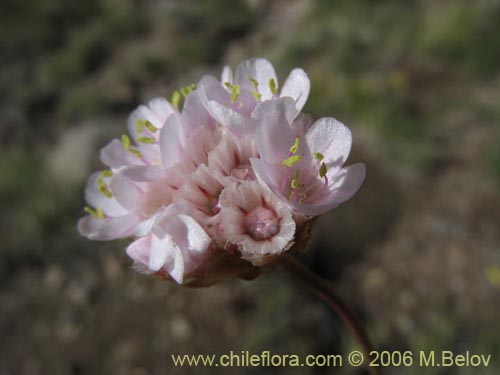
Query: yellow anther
<point x="292" y="160"/>
<point x="150" y="127"/>
<point x="141" y="124"/>
<point x="295" y="146"/>
<point x="253" y="81"/>
<point x="97" y="213"/>
<point x="256" y="95"/>
<point x="103" y="188"/>
<point x="272" y="86"/>
<point x="318" y="156"/>
<point x="235" y="91"/>
<point x="322" y="170"/>
<point x="146" y="140"/>
<point x="126" y="142"/>
<point x="107" y="173"/>
<point x="295" y="183"/>
<point x="126" y="146"/>
<point x="176" y="98"/>
<point x="186" y="90"/>
<point x="135" y="152"/>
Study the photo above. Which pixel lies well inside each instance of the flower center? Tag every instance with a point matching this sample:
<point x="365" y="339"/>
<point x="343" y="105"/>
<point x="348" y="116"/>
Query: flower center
<point x="243" y="172"/>
<point x="261" y="223"/>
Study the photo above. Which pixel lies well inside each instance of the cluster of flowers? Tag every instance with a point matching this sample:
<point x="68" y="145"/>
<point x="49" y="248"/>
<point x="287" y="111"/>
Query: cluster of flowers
<point x="224" y="185"/>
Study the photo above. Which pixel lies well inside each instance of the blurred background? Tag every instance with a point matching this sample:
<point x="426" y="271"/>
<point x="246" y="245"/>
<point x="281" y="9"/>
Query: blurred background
<point x="416" y="253"/>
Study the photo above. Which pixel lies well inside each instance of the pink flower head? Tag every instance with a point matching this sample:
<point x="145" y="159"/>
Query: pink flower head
<point x="223" y="186"/>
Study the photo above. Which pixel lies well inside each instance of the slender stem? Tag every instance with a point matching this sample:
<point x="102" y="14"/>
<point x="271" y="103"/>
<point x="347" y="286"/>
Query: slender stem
<point x="325" y="292"/>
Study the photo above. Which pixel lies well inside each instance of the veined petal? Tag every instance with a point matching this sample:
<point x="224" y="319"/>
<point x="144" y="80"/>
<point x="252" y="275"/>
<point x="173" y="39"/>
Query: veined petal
<point x="346" y="182"/>
<point x="261" y="71"/>
<point x="171" y="141"/>
<point x="95" y="198"/>
<point x="282" y="106"/>
<point x="142" y="173"/>
<point x="343" y="187"/>
<point x="115" y="156"/>
<point x="158" y="253"/>
<point x="297" y="86"/>
<point x="126" y="192"/>
<point x="108" y="228"/>
<point x="174" y="264"/>
<point x="332" y="139"/>
<point x="226" y="116"/>
<point x="139" y="250"/>
<point x="162" y="110"/>
<point x="268" y="175"/>
<point x="195" y="113"/>
<point x="274" y="136"/>
<point x="197" y="238"/>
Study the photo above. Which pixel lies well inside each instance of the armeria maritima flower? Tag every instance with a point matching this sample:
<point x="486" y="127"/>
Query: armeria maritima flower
<point x="222" y="186"/>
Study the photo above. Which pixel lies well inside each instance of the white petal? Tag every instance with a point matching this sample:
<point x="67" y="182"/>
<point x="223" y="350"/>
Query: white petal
<point x="158" y="254"/>
<point x="227" y="75"/>
<point x="171" y="140"/>
<point x="261" y="71"/>
<point x="297" y="86"/>
<point x="197" y="238"/>
<point x="162" y="109"/>
<point x="95" y="198"/>
<point x="282" y="106"/>
<point x="332" y="139"/>
<point x="139" y="250"/>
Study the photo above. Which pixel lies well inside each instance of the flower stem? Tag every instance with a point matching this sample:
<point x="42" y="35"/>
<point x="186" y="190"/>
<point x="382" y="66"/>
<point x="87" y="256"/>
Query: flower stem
<point x="325" y="292"/>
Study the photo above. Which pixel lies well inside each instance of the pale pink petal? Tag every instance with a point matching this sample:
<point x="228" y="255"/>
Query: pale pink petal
<point x="162" y="110"/>
<point x="260" y="70"/>
<point x="171" y="139"/>
<point x="142" y="173"/>
<point x="345" y="185"/>
<point x="268" y="174"/>
<point x="126" y="192"/>
<point x="95" y="198"/>
<point x="158" y="252"/>
<point x="274" y="136"/>
<point x="197" y="238"/>
<point x="347" y="182"/>
<point x="332" y="139"/>
<point x="174" y="264"/>
<point x="195" y="113"/>
<point x="139" y="250"/>
<point x="297" y="86"/>
<point x="226" y="116"/>
<point x="115" y="156"/>
<point x="108" y="228"/>
<point x="283" y="108"/>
